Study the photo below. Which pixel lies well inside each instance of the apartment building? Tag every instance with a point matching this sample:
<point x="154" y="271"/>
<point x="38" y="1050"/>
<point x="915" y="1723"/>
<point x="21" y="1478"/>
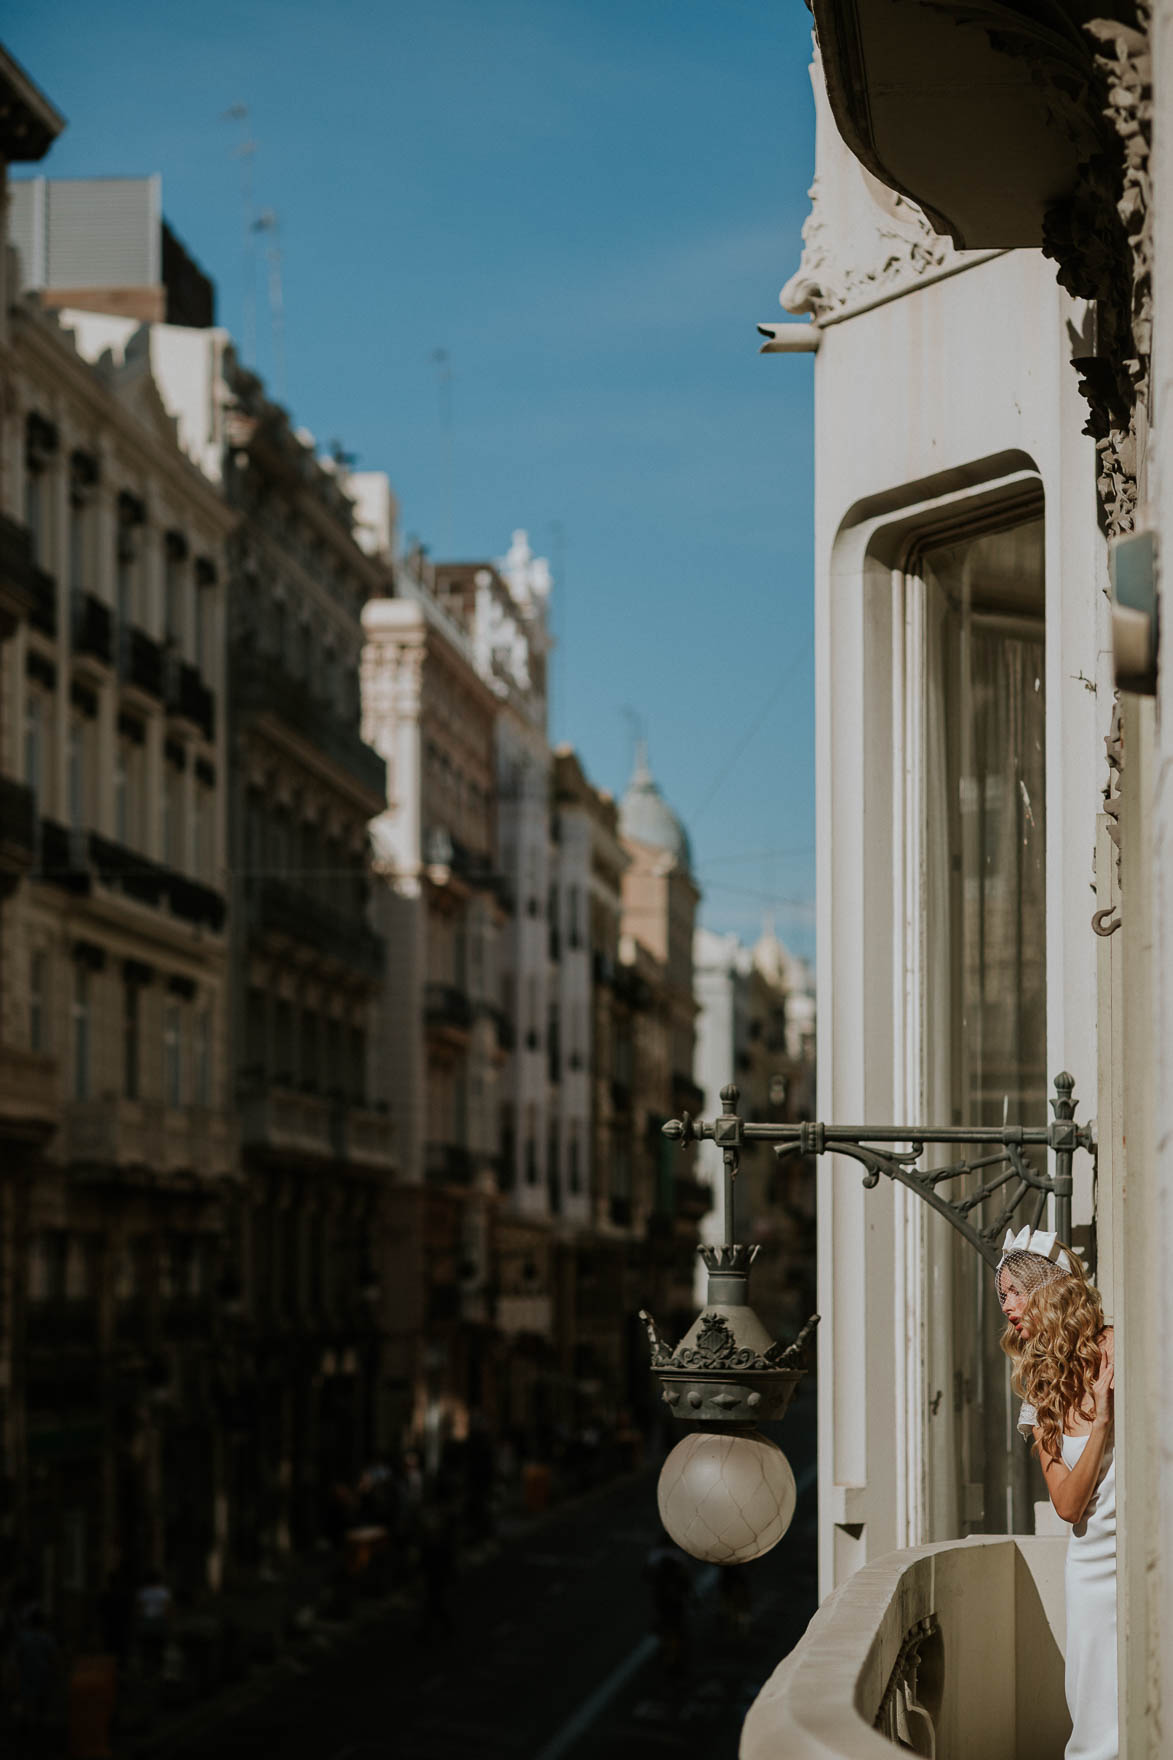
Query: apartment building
<point x="116" y="975"/>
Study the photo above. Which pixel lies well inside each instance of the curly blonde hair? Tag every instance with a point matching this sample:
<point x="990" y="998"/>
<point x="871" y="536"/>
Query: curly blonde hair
<point x="1056" y="1366"/>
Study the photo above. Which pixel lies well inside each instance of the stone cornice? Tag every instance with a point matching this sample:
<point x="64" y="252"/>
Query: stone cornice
<point x="38" y="343"/>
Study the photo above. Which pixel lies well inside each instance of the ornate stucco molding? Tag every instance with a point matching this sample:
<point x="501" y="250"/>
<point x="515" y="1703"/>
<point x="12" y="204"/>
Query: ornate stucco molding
<point x="835" y="276"/>
<point x="1106" y="922"/>
<point x="1101" y="237"/>
<point x="862" y="242"/>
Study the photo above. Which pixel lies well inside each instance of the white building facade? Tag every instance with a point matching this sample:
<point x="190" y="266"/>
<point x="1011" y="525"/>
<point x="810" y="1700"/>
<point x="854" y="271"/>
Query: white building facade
<point x="991" y="816"/>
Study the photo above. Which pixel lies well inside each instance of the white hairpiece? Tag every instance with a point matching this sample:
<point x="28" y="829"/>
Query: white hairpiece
<point x="1043" y="1244"/>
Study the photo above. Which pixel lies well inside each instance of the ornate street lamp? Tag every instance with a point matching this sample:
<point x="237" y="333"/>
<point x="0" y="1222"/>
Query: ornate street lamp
<point x="726" y="1493"/>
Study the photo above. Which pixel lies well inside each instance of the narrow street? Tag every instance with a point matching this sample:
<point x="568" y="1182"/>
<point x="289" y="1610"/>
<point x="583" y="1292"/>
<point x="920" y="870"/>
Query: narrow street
<point x="552" y="1655"/>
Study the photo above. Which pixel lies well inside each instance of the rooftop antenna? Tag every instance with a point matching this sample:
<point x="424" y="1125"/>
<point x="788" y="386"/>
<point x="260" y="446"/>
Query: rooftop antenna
<point x="245" y="152"/>
<point x="558" y="569"/>
<point x="267" y="222"/>
<point x="637" y="729"/>
<point x="442" y="361"/>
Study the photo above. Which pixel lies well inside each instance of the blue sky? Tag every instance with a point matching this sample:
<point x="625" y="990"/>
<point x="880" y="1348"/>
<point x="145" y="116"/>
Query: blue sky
<point x="588" y="204"/>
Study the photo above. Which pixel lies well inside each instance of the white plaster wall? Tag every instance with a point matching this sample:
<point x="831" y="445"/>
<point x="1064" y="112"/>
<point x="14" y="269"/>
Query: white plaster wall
<point x="919" y="401"/>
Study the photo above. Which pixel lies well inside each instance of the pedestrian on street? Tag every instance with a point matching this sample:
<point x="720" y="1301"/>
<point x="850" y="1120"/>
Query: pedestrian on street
<point x="154" y="1609"/>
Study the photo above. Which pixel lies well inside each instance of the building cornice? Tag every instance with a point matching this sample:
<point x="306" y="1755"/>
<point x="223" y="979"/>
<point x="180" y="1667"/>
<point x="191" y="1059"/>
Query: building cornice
<point x="48" y="347"/>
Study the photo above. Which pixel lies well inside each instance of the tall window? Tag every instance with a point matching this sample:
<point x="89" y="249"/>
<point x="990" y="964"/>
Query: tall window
<point x="34" y="745"/>
<point x="38" y="1001"/>
<point x="983" y="819"/>
<point x="203" y="618"/>
<point x="173" y="584"/>
<point x="199" y="830"/>
<point x="173" y="1054"/>
<point x="202" y="1057"/>
<point x="309" y="1050"/>
<point x="120" y="794"/>
<point x="81" y="1032"/>
<point x="79" y="521"/>
<point x="76" y="766"/>
<point x="986" y="821"/>
<point x="34" y="509"/>
<point x="173" y="851"/>
<point x="131" y="1038"/>
<point x="126" y="579"/>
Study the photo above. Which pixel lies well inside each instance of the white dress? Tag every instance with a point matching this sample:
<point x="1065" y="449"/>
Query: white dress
<point x="1090" y="1580"/>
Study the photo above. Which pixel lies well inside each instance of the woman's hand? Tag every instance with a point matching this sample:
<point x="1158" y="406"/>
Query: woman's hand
<point x="1105" y="1381"/>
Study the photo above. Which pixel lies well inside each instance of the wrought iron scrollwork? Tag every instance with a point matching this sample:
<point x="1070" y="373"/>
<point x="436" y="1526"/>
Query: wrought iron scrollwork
<point x="996" y="1156"/>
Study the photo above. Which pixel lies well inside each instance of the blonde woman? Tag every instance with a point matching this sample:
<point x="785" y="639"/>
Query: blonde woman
<point x="1064" y="1370"/>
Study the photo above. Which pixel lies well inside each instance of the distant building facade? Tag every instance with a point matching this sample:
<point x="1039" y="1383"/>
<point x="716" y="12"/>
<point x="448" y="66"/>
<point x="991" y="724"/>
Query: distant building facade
<point x="755" y="1029"/>
<point x="431" y="716"/>
<point x="115" y="964"/>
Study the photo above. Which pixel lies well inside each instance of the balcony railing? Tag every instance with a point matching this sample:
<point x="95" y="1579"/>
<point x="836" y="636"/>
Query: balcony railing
<point x="140" y="661"/>
<point x="280" y="1121"/>
<point x="292" y="912"/>
<point x="75" y="859"/>
<point x="28" y="1093"/>
<point x="93" y="627"/>
<point x="447" y="1007"/>
<point x="260" y="686"/>
<point x="447" y="1164"/>
<point x="366" y="1137"/>
<point x="948" y="1649"/>
<point x="119" y="1135"/>
<point x="188" y="697"/>
<point x="18" y="826"/>
<point x="16" y="554"/>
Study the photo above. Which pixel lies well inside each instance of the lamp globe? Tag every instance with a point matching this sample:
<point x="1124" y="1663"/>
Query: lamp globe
<point x="725" y="1495"/>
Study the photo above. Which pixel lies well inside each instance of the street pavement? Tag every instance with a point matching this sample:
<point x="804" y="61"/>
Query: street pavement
<point x="551" y="1655"/>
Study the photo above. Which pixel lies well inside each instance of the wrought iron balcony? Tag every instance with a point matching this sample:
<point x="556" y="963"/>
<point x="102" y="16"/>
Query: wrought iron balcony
<point x="447" y="1164"/>
<point x="261" y="686"/>
<point x="92" y="627"/>
<point x="18" y="829"/>
<point x="278" y="1121"/>
<point x="366" y="1137"/>
<point x="29" y="1107"/>
<point x="119" y="1136"/>
<point x="289" y="911"/>
<point x="76" y="860"/>
<point x="447" y="1008"/>
<point x="188" y="697"/>
<point x="140" y="661"/>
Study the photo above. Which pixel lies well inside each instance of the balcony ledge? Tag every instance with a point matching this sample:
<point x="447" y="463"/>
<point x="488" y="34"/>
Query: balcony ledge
<point x="995" y="1685"/>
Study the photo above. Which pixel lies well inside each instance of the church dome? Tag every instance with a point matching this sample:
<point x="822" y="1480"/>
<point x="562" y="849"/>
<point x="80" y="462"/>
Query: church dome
<point x="645" y="815"/>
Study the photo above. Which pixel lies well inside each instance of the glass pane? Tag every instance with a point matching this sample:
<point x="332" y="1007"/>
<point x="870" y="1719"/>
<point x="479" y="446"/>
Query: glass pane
<point x="986" y="614"/>
<point x="985" y="963"/>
